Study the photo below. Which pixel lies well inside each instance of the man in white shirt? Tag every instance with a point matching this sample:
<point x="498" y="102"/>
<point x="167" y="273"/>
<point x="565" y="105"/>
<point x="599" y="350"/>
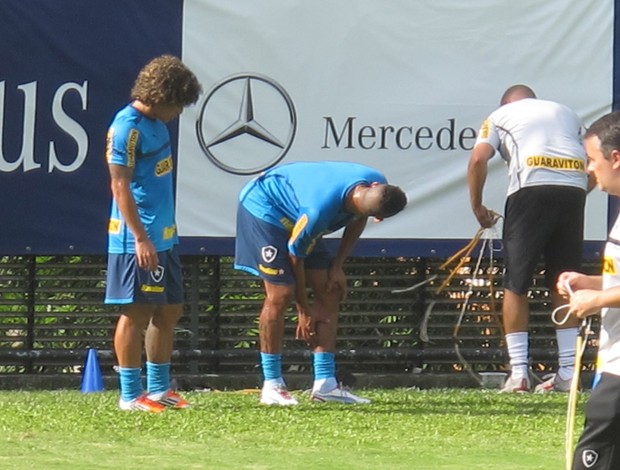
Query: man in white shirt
<point x="598" y="447"/>
<point x="541" y="142"/>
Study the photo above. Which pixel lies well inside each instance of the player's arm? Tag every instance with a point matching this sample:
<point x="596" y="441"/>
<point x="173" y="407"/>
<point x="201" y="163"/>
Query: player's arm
<point x="301" y="295"/>
<point x="120" y="180"/>
<point x="306" y="328"/>
<point x="336" y="277"/>
<point x="571" y="281"/>
<point x="585" y="293"/>
<point x="588" y="302"/>
<point x="299" y="245"/>
<point x="477" y="171"/>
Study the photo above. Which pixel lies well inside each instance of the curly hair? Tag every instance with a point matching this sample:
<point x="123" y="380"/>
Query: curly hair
<point x="166" y="80"/>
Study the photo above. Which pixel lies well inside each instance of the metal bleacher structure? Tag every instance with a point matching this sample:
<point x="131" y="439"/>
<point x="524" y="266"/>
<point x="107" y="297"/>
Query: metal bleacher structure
<point x="51" y="313"/>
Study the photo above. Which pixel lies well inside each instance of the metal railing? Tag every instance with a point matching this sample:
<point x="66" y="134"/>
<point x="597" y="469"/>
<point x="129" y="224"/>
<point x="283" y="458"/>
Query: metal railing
<point x="51" y="312"/>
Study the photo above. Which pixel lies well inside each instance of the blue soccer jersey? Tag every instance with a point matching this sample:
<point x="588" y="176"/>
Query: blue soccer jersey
<point x="306" y="198"/>
<point x="143" y="144"/>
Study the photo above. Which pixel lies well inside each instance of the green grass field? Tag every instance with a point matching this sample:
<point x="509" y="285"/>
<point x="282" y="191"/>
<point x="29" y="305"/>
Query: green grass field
<point x="401" y="429"/>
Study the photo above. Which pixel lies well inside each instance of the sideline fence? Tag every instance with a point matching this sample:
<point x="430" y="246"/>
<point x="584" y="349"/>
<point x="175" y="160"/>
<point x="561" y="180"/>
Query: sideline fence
<point x="51" y="312"/>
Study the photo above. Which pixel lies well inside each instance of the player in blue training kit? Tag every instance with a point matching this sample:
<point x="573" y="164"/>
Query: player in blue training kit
<point x="282" y="217"/>
<point x="144" y="271"/>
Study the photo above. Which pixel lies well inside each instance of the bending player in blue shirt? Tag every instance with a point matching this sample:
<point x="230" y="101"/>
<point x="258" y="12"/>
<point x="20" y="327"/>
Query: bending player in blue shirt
<point x="281" y="219"/>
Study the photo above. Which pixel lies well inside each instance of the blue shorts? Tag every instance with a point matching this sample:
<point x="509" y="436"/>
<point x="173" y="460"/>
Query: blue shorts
<point x="262" y="249"/>
<point x="127" y="283"/>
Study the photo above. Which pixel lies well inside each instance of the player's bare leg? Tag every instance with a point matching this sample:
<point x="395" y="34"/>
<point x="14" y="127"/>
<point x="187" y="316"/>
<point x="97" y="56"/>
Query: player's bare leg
<point x="326" y="307"/>
<point x="271" y="321"/>
<point x="128" y="345"/>
<point x="128" y="336"/>
<point x="159" y="337"/>
<point x="271" y="332"/>
<point x="159" y="341"/>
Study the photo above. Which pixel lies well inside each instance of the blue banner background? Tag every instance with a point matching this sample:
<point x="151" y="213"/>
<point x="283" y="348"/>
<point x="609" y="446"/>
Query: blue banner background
<point x="53" y="43"/>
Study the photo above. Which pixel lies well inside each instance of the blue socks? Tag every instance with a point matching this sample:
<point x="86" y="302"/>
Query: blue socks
<point x="324" y="372"/>
<point x="272" y="367"/>
<point x="324" y="365"/>
<point x="324" y="369"/>
<point x="157" y="377"/>
<point x="130" y="380"/>
<point x="130" y="383"/>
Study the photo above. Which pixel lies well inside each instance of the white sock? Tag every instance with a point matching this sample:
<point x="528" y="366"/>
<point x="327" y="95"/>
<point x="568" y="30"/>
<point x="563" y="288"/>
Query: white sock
<point x="274" y="383"/>
<point x="517" y="351"/>
<point x="567" y="339"/>
<point x="324" y="385"/>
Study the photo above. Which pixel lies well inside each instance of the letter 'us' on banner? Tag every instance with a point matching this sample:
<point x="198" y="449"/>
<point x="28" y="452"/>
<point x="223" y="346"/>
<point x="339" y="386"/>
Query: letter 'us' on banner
<point x="401" y="86"/>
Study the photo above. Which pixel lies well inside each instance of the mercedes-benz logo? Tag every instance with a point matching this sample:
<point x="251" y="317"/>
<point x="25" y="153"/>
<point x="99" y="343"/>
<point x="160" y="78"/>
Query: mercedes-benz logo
<point x="246" y="124"/>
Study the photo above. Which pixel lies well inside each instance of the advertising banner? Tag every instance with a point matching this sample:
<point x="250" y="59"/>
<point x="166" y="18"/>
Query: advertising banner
<point x="401" y="86"/>
<point x="66" y="67"/>
<point x="398" y="85"/>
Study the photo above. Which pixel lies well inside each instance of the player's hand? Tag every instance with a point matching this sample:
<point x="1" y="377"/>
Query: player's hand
<point x="583" y="303"/>
<point x="486" y="217"/>
<point x="568" y="281"/>
<point x="146" y="255"/>
<point x="306" y="327"/>
<point x="337" y="282"/>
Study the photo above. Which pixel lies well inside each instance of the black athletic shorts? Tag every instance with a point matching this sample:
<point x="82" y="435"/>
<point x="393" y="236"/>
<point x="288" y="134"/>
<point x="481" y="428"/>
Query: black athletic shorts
<point x="599" y="445"/>
<point x="542" y="221"/>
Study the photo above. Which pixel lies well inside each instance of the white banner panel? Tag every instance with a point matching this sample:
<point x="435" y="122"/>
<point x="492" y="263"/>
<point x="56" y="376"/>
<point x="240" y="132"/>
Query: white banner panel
<point x="399" y="85"/>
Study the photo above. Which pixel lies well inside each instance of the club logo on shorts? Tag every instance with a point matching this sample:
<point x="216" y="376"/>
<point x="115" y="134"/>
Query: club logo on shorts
<point x="269" y="253"/>
<point x="589" y="458"/>
<point x="158" y="274"/>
